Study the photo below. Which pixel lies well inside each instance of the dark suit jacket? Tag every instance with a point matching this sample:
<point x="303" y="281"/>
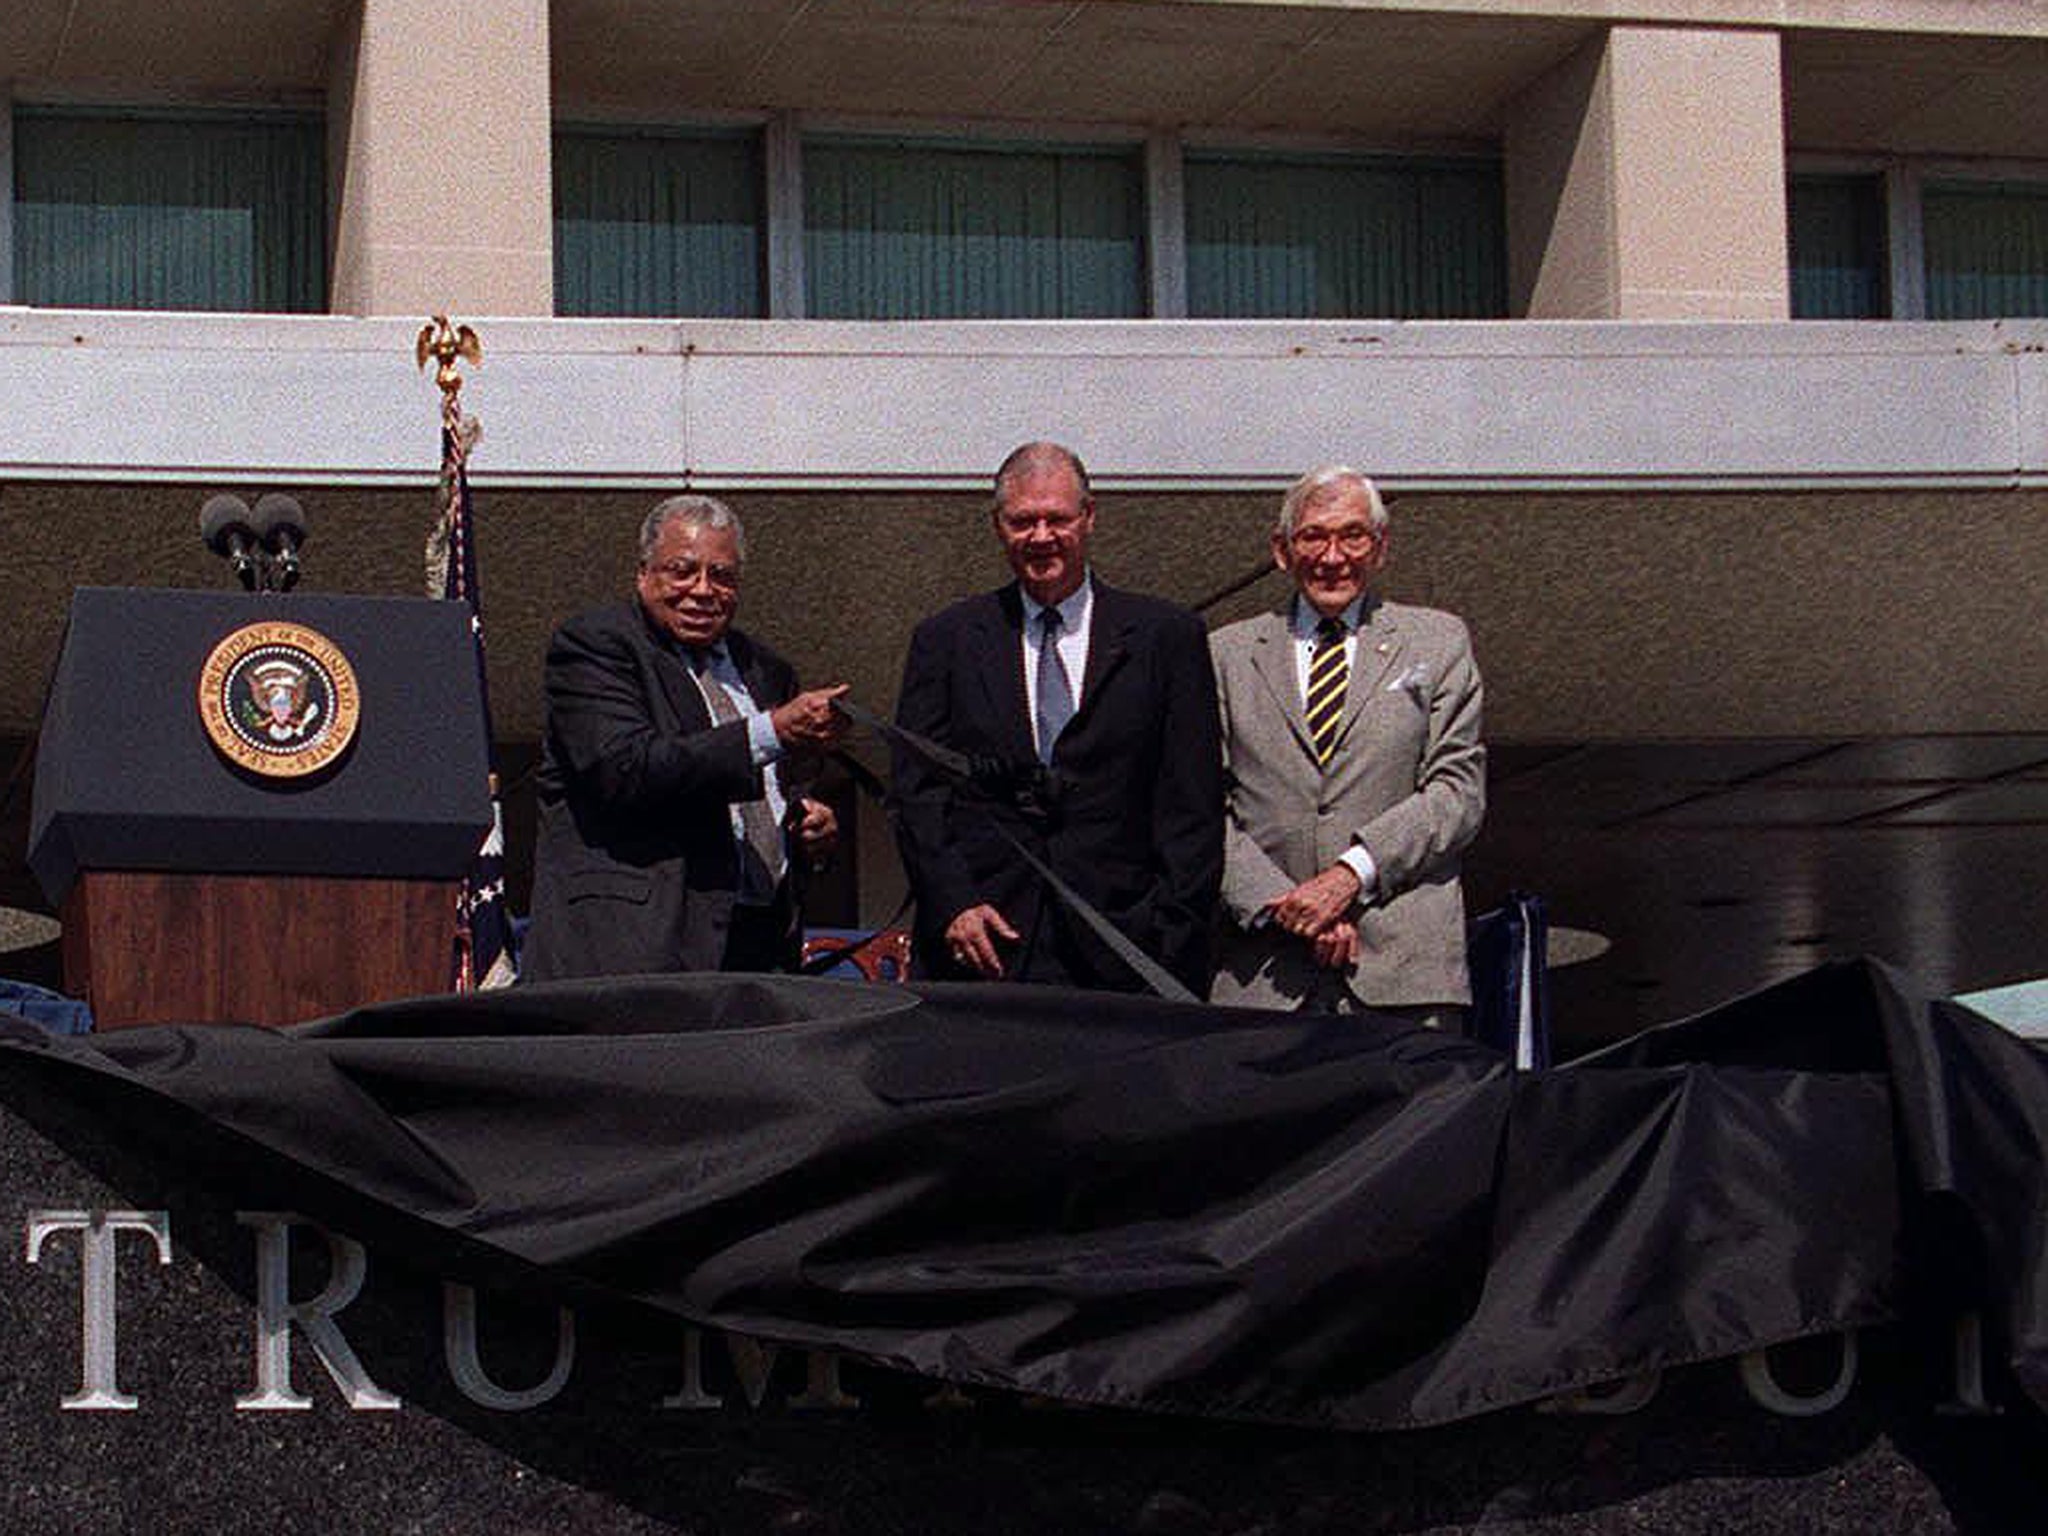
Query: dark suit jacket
<point x="636" y="868"/>
<point x="1135" y="823"/>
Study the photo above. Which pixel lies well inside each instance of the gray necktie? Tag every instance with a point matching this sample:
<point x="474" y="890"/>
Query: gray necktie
<point x="761" y="840"/>
<point x="1055" y="689"/>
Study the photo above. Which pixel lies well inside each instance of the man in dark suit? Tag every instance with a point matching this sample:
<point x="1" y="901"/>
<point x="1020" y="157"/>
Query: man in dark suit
<point x="672" y="834"/>
<point x="1097" y="733"/>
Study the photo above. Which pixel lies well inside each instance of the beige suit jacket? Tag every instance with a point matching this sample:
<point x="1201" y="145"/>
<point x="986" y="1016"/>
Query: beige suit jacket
<point x="1407" y="783"/>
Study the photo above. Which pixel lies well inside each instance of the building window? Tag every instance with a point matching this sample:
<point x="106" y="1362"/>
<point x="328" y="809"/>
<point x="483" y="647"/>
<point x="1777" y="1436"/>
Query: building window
<point x="658" y="223"/>
<point x="1344" y="237"/>
<point x="897" y="229"/>
<point x="1835" y="226"/>
<point x="145" y="210"/>
<point x="1987" y="249"/>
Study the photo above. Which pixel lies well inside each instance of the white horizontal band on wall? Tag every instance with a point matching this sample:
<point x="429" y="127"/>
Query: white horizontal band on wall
<point x="1184" y="405"/>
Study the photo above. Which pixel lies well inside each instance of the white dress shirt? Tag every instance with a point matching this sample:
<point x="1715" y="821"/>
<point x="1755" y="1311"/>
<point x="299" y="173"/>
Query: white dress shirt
<point x="764" y="746"/>
<point x="1077" y="610"/>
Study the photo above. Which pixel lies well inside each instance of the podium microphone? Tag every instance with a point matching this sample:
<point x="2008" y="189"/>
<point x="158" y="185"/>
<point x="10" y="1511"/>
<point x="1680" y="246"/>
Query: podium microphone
<point x="281" y="524"/>
<point x="224" y="524"/>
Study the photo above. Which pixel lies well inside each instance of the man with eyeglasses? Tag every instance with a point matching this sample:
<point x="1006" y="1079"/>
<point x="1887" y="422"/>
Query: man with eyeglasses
<point x="673" y="833"/>
<point x="1355" y="777"/>
<point x="1091" y="713"/>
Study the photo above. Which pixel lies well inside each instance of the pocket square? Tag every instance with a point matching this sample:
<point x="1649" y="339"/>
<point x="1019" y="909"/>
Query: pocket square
<point x="1412" y="680"/>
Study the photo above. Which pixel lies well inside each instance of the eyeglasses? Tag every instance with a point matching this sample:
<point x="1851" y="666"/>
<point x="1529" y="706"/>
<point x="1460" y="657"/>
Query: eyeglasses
<point x="1352" y="539"/>
<point x="686" y="573"/>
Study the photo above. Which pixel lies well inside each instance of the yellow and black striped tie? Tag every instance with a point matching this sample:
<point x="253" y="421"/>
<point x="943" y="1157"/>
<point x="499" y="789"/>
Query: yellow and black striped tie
<point x="1328" y="677"/>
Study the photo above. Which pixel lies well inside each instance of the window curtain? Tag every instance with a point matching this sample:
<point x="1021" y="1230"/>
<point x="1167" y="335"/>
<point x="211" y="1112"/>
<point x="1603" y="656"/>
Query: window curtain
<point x="915" y="231"/>
<point x="657" y="224"/>
<point x="1345" y="237"/>
<point x="169" y="211"/>
<point x="1987" y="250"/>
<point x="1835" y="225"/>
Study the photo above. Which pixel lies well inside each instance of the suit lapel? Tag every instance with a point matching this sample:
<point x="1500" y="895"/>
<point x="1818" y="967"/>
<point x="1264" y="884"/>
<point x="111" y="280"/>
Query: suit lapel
<point x="1272" y="657"/>
<point x="1109" y="630"/>
<point x="678" y="683"/>
<point x="999" y="664"/>
<point x="1380" y="644"/>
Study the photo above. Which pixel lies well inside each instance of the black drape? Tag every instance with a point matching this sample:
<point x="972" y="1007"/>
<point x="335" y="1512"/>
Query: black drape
<point x="1123" y="1201"/>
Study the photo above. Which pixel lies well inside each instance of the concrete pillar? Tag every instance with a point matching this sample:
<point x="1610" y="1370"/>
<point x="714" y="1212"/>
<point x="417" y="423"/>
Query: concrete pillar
<point x="1166" y="235"/>
<point x="440" y="167"/>
<point x="1646" y="181"/>
<point x="782" y="148"/>
<point x="6" y="191"/>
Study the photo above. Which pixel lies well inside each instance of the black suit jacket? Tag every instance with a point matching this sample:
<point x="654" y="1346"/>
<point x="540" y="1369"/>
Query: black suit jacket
<point x="1135" y="819"/>
<point x="635" y="868"/>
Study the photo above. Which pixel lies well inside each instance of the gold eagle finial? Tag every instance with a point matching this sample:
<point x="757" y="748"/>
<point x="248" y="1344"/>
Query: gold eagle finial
<point x="445" y="344"/>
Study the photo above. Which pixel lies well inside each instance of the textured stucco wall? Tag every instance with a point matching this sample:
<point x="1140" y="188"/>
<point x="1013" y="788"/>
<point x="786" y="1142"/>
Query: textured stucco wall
<point x="1597" y="617"/>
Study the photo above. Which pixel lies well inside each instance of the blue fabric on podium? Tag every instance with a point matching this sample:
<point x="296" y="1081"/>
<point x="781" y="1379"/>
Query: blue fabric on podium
<point x="58" y="1014"/>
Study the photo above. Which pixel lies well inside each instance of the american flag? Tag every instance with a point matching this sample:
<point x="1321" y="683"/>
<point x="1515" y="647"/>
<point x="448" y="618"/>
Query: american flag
<point x="485" y="952"/>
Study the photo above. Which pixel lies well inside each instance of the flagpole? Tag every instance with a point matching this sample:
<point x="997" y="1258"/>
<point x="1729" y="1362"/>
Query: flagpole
<point x="446" y="345"/>
<point x="485" y="954"/>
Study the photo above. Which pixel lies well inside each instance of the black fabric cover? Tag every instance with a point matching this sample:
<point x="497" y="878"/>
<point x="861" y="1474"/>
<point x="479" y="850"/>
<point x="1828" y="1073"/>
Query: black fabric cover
<point x="1123" y="1201"/>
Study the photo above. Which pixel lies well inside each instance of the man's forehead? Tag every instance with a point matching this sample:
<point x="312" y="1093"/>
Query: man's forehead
<point x="1043" y="482"/>
<point x="697" y="539"/>
<point x="1339" y="505"/>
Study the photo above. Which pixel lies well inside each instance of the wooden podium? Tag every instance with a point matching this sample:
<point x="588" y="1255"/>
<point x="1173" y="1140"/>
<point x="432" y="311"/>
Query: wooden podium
<point x="207" y="872"/>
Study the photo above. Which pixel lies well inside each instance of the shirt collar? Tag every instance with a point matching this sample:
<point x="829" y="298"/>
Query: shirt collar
<point x="1305" y="618"/>
<point x="1073" y="608"/>
<point x="701" y="659"/>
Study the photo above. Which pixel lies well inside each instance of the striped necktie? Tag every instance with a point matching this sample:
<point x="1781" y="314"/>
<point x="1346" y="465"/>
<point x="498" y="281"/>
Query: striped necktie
<point x="1328" y="678"/>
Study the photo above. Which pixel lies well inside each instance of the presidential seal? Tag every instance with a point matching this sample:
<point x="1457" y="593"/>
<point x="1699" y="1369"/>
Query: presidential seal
<point x="279" y="699"/>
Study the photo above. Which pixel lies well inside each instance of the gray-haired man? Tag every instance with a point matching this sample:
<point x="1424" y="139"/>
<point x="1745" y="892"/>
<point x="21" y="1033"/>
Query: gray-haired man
<point x="1354" y="774"/>
<point x="673" y="836"/>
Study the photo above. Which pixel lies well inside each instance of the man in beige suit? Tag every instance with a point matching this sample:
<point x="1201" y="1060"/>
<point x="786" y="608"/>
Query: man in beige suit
<point x="1354" y="775"/>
